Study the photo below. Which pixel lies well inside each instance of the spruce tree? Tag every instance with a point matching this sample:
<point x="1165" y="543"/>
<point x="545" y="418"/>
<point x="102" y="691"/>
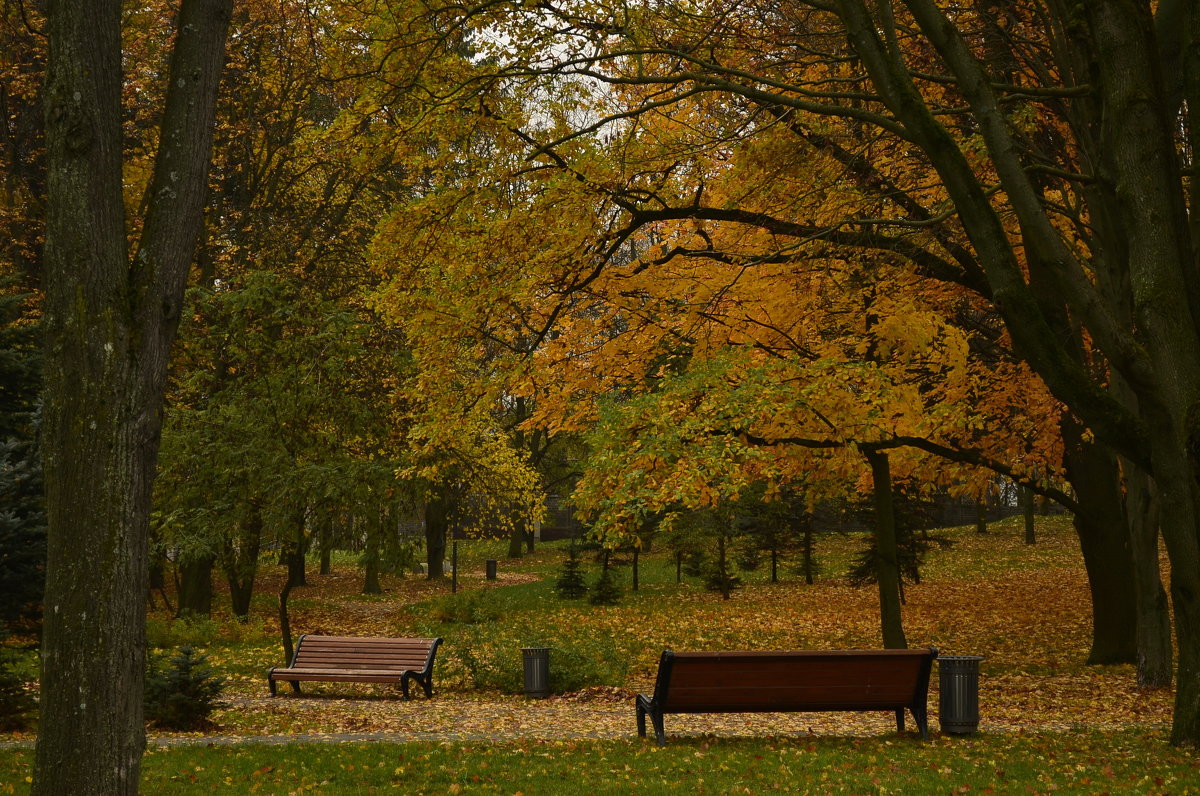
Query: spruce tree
<point x="182" y="693"/>
<point x="605" y="591"/>
<point x="571" y="584"/>
<point x="22" y="501"/>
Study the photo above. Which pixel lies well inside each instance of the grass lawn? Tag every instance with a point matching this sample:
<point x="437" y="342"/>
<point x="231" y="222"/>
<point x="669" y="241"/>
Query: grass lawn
<point x="1128" y="762"/>
<point x="1050" y="723"/>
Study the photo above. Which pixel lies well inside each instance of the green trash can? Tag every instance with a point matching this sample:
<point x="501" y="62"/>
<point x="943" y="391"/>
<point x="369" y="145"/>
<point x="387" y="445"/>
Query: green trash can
<point x="958" y="698"/>
<point x="537" y="671"/>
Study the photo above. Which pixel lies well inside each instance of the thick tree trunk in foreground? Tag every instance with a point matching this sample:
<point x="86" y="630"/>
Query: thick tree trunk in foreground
<point x="109" y="325"/>
<point x="888" y="575"/>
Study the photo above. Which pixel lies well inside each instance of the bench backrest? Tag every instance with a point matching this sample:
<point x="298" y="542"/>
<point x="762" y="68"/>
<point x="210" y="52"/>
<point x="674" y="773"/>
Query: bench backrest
<point x="792" y="680"/>
<point x="349" y="652"/>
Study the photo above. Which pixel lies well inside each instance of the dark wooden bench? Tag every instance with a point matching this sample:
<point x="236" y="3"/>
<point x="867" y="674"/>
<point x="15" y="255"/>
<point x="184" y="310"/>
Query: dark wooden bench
<point x="792" y="681"/>
<point x="360" y="660"/>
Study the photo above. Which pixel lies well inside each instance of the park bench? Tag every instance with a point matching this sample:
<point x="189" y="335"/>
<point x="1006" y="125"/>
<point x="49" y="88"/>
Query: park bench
<point x="360" y="660"/>
<point x="789" y="681"/>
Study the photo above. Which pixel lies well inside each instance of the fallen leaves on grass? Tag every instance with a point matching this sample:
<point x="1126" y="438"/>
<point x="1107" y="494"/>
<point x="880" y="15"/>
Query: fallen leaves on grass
<point x="1024" y="609"/>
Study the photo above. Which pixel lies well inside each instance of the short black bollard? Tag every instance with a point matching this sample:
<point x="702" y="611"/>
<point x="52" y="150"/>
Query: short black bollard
<point x="537" y="671"/>
<point x="958" y="698"/>
<point x="490" y="568"/>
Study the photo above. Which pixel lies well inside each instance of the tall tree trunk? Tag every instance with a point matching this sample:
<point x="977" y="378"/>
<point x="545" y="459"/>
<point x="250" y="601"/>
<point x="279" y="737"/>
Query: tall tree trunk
<point x="195" y="586"/>
<point x="109" y="323"/>
<point x="1027" y="514"/>
<point x="516" y="539"/>
<point x="285" y="623"/>
<point x="239" y="561"/>
<point x="436" y="522"/>
<point x="295" y="549"/>
<point x="1154" y="654"/>
<point x="1104" y="542"/>
<point x="981" y="516"/>
<point x="808" y="555"/>
<point x="888" y="574"/>
<point x="158" y="582"/>
<point x="371" y="556"/>
<point x="325" y="542"/>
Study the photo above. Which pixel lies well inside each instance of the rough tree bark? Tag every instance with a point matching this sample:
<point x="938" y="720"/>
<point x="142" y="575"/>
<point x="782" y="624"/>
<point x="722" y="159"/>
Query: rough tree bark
<point x="110" y="320"/>
<point x="888" y="575"/>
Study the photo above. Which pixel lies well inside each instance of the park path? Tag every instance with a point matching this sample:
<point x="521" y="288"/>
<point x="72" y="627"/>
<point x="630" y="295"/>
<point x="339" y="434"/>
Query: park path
<point x="1044" y="703"/>
<point x="604" y="714"/>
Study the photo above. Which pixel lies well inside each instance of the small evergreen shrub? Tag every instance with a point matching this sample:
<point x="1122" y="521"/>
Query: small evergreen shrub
<point x="718" y="578"/>
<point x="571" y="584"/>
<point x="749" y="557"/>
<point x="606" y="590"/>
<point x="182" y="693"/>
<point x="694" y="563"/>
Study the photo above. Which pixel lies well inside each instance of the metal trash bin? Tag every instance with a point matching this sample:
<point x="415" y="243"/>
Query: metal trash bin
<point x="958" y="697"/>
<point x="490" y="568"/>
<point x="537" y="671"/>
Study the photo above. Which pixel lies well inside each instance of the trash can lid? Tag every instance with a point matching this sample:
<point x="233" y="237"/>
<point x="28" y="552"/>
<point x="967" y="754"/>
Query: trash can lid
<point x="956" y="658"/>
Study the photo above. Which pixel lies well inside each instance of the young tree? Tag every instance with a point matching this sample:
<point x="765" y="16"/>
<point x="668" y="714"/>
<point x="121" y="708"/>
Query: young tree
<point x="111" y="311"/>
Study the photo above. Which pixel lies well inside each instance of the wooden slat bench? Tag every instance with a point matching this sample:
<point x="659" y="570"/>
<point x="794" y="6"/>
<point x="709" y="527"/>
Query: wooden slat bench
<point x="789" y="681"/>
<point x="360" y="660"/>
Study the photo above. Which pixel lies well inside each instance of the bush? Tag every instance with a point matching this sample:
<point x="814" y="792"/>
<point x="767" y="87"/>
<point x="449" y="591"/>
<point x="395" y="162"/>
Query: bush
<point x="582" y="663"/>
<point x="571" y="584"/>
<point x="606" y="590"/>
<point x="718" y="578"/>
<point x="470" y="608"/>
<point x="181" y="693"/>
<point x="16" y="702"/>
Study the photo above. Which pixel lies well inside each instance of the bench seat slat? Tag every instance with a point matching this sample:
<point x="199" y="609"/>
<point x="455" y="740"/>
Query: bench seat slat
<point x="405" y="661"/>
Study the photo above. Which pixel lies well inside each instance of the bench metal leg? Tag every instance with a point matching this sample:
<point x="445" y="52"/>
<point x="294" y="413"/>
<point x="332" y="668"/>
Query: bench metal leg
<point x="899" y="719"/>
<point x="645" y="707"/>
<point x="921" y="717"/>
<point x="296" y="687"/>
<point x="660" y="733"/>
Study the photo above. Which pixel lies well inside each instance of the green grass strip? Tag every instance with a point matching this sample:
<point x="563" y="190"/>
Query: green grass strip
<point x="989" y="763"/>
